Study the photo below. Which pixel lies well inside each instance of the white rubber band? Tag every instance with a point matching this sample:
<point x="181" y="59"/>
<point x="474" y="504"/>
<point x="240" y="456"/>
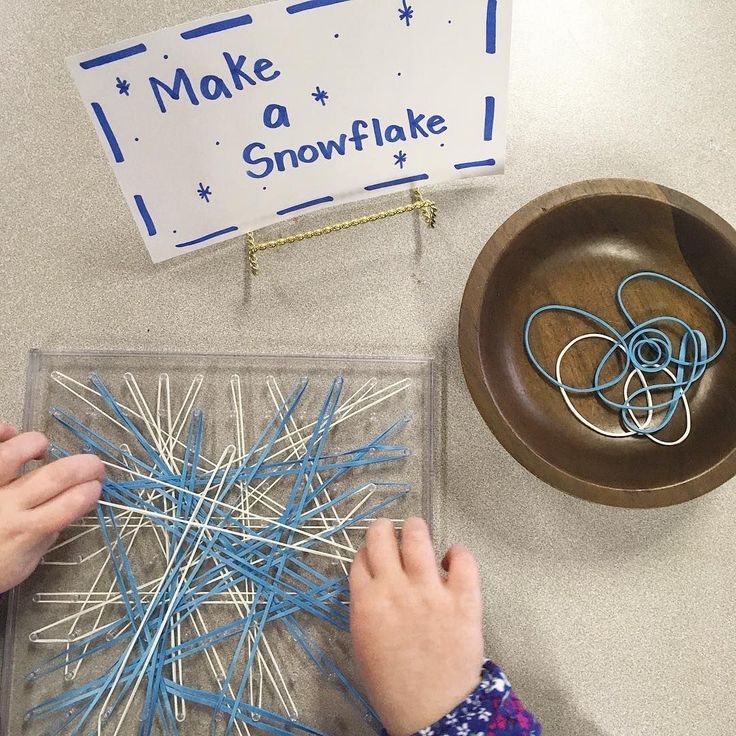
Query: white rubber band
<point x="574" y="410"/>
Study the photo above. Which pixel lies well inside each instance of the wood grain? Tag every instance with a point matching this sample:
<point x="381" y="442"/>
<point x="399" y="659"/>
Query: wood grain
<point x="574" y="246"/>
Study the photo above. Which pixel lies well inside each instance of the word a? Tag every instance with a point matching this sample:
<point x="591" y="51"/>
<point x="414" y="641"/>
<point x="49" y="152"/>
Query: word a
<point x="211" y="86"/>
<point x="416" y="126"/>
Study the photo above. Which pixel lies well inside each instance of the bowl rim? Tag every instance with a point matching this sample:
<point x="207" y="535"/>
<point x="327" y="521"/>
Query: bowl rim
<point x="483" y="396"/>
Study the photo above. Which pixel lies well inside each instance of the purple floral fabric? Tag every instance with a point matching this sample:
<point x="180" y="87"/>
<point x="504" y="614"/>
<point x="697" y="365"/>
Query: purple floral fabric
<point x="493" y="709"/>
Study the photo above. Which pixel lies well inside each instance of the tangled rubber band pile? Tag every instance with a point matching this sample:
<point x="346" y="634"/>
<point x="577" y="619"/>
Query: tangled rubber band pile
<point x="665" y="372"/>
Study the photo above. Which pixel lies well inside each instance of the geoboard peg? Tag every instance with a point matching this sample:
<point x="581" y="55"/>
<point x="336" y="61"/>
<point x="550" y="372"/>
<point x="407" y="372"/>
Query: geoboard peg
<point x="426" y="206"/>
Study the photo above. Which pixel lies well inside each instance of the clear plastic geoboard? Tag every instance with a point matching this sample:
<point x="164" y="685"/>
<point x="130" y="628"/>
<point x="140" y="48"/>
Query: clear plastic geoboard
<point x="208" y="594"/>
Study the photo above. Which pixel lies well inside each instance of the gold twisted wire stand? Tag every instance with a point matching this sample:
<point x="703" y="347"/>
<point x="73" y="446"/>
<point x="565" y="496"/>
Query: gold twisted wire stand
<point x="427" y="207"/>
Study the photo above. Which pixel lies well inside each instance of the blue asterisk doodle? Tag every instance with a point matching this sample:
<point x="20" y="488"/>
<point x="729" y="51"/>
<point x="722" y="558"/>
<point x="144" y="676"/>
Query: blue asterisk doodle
<point x="320" y="96"/>
<point x="123" y="86"/>
<point x="400" y="159"/>
<point x="406" y="12"/>
<point x="204" y="192"/>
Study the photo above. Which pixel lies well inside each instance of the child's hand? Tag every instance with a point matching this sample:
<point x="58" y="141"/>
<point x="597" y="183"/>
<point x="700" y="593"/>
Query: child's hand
<point x="418" y="638"/>
<point x="34" y="508"/>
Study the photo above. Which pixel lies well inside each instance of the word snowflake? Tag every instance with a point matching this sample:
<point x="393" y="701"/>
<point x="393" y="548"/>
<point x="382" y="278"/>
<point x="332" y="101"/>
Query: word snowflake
<point x="263" y="533"/>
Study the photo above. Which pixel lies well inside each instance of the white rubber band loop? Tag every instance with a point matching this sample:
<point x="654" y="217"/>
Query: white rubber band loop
<point x="574" y="410"/>
<point x="683" y="398"/>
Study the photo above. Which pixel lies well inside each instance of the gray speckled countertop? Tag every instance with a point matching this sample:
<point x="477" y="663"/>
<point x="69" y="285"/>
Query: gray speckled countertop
<point x="609" y="622"/>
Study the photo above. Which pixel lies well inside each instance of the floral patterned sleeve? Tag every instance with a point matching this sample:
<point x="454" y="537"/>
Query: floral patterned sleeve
<point x="493" y="709"/>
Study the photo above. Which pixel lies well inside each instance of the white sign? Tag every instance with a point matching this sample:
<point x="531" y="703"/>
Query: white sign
<point x="231" y="123"/>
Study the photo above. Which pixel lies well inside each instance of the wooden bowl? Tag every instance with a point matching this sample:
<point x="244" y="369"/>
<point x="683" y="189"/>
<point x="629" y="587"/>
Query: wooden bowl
<point x="574" y="246"/>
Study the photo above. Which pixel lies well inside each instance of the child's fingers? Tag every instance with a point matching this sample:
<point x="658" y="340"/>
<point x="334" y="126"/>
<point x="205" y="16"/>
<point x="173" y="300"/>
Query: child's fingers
<point x="16" y="451"/>
<point x="417" y="552"/>
<point x="382" y="549"/>
<point x="67" y="507"/>
<point x="7" y="431"/>
<point x="43" y="544"/>
<point x="462" y="570"/>
<point x="41" y="485"/>
<point x="360" y="574"/>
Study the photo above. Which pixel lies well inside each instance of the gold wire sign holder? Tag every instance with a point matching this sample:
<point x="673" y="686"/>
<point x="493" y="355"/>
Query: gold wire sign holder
<point x="426" y="206"/>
